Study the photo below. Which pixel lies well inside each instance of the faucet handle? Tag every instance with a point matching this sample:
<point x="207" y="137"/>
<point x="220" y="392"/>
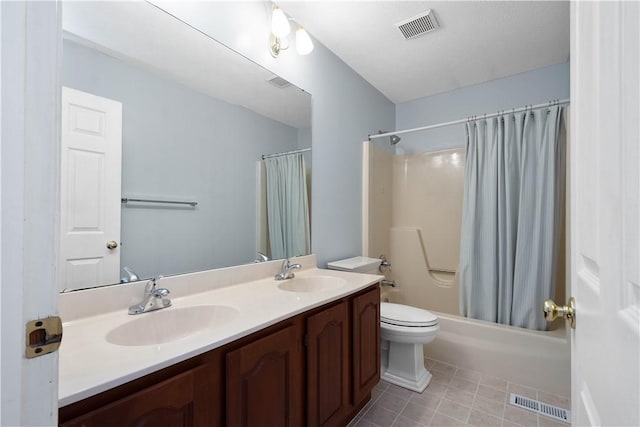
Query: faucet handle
<point x="152" y="284"/>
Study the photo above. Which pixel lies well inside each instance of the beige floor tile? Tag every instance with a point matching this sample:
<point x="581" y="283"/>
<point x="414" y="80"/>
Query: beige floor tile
<point x="407" y="422"/>
<point x="427" y="399"/>
<point x="491" y="393"/>
<point x="529" y="392"/>
<point x="399" y="391"/>
<point x="443" y="367"/>
<point x="454" y="410"/>
<point x="464" y="385"/>
<point x="417" y="412"/>
<point x="462" y="397"/>
<point x="366" y="423"/>
<point x="380" y="416"/>
<point x="428" y="363"/>
<point x="442" y="376"/>
<point x="520" y="416"/>
<point x="441" y="420"/>
<point x="469" y="375"/>
<point x="544" y="421"/>
<point x="392" y="401"/>
<point x="436" y="387"/>
<point x="555" y="400"/>
<point x="494" y="382"/>
<point x="491" y="407"/>
<point x="481" y="419"/>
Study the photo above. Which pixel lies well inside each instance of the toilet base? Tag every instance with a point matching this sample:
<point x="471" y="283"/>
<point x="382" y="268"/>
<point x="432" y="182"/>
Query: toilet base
<point x="404" y="366"/>
<point x="418" y="385"/>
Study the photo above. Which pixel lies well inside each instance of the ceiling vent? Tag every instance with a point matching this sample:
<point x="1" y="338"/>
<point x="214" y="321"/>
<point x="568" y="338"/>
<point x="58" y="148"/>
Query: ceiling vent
<point x="418" y="25"/>
<point x="278" y="81"/>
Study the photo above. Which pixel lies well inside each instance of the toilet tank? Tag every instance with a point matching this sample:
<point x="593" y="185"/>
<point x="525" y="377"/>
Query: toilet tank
<point x="359" y="264"/>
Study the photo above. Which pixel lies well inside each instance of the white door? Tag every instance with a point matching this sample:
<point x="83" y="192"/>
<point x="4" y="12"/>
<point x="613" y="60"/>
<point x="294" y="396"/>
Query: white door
<point x="90" y="167"/>
<point x="605" y="128"/>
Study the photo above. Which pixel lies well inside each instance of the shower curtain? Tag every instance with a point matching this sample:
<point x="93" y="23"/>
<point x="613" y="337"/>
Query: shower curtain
<point x="511" y="219"/>
<point x="287" y="206"/>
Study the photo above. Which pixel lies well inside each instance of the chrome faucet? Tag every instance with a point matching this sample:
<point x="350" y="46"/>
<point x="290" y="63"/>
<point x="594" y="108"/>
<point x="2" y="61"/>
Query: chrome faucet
<point x="153" y="298"/>
<point x="286" y="271"/>
<point x="130" y="276"/>
<point x="261" y="258"/>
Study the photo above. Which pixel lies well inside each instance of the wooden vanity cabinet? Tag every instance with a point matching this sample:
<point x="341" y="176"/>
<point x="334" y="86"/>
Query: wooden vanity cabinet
<point x="328" y="367"/>
<point x="175" y="402"/>
<point x="263" y="383"/>
<point x="314" y="369"/>
<point x="366" y="343"/>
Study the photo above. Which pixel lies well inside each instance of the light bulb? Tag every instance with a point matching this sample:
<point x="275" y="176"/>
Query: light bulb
<point x="304" y="45"/>
<point x="279" y="23"/>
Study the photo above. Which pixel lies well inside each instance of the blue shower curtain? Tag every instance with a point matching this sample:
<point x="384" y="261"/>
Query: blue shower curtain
<point x="287" y="206"/>
<point x="511" y="219"/>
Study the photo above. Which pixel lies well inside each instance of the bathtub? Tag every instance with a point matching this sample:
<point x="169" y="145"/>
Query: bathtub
<point x="538" y="359"/>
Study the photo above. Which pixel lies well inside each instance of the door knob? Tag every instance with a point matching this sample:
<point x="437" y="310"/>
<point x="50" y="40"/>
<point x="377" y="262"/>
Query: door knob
<point x="112" y="244"/>
<point x="552" y="311"/>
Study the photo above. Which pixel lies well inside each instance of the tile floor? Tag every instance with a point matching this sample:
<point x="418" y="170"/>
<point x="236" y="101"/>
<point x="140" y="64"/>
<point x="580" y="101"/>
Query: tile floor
<point x="455" y="397"/>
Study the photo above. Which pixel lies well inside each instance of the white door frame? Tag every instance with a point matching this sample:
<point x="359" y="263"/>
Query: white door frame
<point x="29" y="154"/>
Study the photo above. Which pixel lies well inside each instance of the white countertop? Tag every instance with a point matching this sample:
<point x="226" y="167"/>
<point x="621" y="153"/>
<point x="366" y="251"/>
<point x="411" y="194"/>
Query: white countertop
<point x="90" y="365"/>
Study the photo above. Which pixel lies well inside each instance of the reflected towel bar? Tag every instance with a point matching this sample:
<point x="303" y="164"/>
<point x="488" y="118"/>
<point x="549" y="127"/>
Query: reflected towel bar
<point x="172" y="202"/>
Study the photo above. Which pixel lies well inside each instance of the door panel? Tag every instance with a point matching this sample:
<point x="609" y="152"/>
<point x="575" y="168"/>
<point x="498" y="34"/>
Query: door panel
<point x="605" y="96"/>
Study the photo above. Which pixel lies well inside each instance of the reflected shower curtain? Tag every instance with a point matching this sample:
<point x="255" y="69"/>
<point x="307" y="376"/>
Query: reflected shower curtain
<point x="287" y="206"/>
<point x="511" y="218"/>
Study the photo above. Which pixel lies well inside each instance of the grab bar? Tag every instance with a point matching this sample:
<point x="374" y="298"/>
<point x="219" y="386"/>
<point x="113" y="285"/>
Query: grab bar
<point x="172" y="202"/>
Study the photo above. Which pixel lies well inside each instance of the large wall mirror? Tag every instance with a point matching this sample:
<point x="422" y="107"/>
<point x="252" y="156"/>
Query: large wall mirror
<point x="163" y="136"/>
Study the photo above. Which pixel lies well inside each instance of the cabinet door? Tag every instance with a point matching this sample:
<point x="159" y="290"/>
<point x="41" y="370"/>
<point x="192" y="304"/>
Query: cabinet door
<point x="169" y="403"/>
<point x="264" y="381"/>
<point x="328" y="366"/>
<point x="366" y="343"/>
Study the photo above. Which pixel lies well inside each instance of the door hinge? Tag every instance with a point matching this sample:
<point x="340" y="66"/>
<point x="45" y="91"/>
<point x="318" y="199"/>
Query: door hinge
<point x="43" y="336"/>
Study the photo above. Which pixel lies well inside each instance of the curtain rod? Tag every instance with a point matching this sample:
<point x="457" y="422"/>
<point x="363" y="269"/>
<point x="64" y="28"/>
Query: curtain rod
<point x="470" y="118"/>
<point x="266" y="156"/>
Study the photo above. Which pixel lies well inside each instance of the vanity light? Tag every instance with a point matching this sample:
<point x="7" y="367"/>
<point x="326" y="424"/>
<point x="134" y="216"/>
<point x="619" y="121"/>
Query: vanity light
<point x="304" y="45"/>
<point x="279" y="23"/>
<point x="280" y="29"/>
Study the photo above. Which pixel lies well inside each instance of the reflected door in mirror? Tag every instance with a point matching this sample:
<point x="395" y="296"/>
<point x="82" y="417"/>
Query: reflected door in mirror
<point x="91" y="144"/>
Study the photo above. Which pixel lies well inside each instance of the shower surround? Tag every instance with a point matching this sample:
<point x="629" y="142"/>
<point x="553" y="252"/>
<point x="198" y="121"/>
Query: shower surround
<point x="412" y="211"/>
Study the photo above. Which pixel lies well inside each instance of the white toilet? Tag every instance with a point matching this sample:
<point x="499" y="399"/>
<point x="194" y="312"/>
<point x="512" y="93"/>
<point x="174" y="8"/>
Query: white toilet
<point x="403" y="332"/>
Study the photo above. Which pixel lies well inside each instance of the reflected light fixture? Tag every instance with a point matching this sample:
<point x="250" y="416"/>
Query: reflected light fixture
<point x="280" y="29"/>
<point x="304" y="45"/>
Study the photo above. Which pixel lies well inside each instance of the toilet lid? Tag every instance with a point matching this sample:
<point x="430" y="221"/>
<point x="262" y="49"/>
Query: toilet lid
<point x="404" y="315"/>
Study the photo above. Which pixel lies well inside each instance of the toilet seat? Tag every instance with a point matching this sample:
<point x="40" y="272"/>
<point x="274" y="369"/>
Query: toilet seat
<point x="406" y="316"/>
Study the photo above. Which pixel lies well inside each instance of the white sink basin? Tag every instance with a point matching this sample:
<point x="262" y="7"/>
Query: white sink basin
<point x="170" y="324"/>
<point x="312" y="284"/>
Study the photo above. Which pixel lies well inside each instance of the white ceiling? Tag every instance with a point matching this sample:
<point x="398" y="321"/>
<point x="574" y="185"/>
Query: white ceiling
<point x="477" y="41"/>
<point x="140" y="33"/>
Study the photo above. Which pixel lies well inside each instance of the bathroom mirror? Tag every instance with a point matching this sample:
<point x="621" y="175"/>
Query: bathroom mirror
<point x="196" y="118"/>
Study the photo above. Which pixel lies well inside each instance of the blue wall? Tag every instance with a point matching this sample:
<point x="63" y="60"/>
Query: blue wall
<point x="180" y="144"/>
<point x="345" y="110"/>
<point x="533" y="87"/>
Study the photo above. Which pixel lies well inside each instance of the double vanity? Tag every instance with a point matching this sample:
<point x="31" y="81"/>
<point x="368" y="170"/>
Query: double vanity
<point x="236" y="347"/>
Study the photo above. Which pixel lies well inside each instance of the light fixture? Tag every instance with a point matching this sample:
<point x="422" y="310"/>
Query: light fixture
<point x="304" y="45"/>
<point x="279" y="23"/>
<point x="280" y="29"/>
